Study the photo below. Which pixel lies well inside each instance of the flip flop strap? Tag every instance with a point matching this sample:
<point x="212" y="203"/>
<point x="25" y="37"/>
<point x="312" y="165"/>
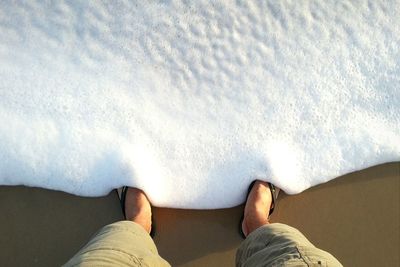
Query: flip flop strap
<point x="273" y="193"/>
<point x="122" y="200"/>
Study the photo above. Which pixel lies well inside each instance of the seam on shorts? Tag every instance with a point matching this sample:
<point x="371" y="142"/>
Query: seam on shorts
<point x="132" y="258"/>
<point x="320" y="261"/>
<point x="303" y="257"/>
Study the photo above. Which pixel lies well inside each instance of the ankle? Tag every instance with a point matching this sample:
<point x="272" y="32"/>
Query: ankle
<point x="138" y="209"/>
<point x="142" y="221"/>
<point x="254" y="221"/>
<point x="257" y="206"/>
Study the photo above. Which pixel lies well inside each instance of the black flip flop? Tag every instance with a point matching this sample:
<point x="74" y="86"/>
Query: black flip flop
<point x="274" y="193"/>
<point x="122" y="198"/>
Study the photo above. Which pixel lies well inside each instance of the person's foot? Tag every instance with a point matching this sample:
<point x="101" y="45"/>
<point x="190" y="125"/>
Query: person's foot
<point x="257" y="206"/>
<point x="137" y="208"/>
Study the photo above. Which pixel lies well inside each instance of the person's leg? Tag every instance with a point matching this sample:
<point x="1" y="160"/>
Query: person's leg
<point x="274" y="244"/>
<point x="124" y="243"/>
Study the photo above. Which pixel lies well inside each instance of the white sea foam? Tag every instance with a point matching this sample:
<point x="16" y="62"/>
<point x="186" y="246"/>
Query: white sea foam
<point x="192" y="101"/>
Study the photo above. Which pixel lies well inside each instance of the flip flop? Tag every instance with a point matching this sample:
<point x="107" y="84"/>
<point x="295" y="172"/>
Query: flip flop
<point x="274" y="193"/>
<point x="122" y="197"/>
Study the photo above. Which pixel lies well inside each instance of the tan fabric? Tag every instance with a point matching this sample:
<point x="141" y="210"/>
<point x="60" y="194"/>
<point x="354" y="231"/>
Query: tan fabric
<point x="281" y="245"/>
<point x="126" y="243"/>
<point x="122" y="243"/>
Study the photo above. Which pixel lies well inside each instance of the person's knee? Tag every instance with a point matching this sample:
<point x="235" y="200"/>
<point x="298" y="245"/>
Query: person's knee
<point x="281" y="244"/>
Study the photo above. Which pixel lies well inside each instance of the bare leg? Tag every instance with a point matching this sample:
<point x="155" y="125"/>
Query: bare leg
<point x="137" y="208"/>
<point x="257" y="206"/>
<point x="123" y="243"/>
<point x="275" y="244"/>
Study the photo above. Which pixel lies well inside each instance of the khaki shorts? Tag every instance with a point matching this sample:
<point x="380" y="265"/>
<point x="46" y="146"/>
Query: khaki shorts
<point x="126" y="243"/>
<point x="278" y="244"/>
<point x="123" y="243"/>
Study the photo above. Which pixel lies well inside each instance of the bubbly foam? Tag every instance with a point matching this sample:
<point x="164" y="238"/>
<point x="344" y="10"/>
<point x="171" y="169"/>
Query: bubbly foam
<point x="193" y="101"/>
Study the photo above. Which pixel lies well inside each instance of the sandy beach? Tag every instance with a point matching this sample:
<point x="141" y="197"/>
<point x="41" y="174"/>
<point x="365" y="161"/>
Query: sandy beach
<point x="355" y="217"/>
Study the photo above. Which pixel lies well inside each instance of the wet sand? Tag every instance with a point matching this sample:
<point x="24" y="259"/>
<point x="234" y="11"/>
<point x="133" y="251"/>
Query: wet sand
<point x="355" y="217"/>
